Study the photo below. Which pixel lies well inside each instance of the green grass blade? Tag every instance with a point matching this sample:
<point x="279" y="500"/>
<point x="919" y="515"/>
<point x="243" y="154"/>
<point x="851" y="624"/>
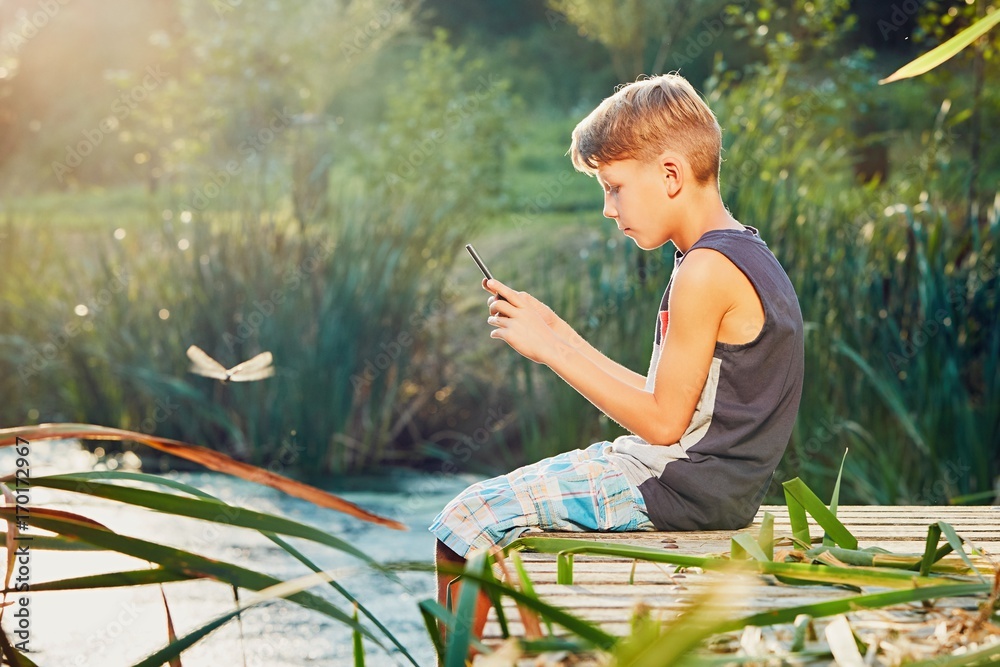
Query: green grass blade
<point x="811" y="503"/>
<point x="980" y="658"/>
<point x="187" y="488"/>
<point x="835" y="499"/>
<point x="431" y="617"/>
<point x="957" y="543"/>
<point x="175" y="559"/>
<point x="678" y="638"/>
<point x="586" y="631"/>
<point x="14" y="657"/>
<point x="564" y="568"/>
<point x="931" y="552"/>
<point x="295" y="553"/>
<point x="204" y="509"/>
<point x="85" y="477"/>
<point x="945" y="51"/>
<point x="891" y="396"/>
<point x="359" y="646"/>
<point x="53" y="543"/>
<point x="972" y="498"/>
<point x="494" y="597"/>
<point x="749" y="545"/>
<point x="282" y="589"/>
<point x="848" y="604"/>
<point x="204" y="456"/>
<point x="849" y="556"/>
<point x="526" y="585"/>
<point x="798" y="519"/>
<point x="765" y="538"/>
<point x="156" y="575"/>
<point x="461" y="633"/>
<point x="856" y="576"/>
<point x="802" y="624"/>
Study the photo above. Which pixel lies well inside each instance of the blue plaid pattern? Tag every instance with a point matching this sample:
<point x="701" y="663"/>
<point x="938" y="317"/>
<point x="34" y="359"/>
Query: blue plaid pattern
<point x="580" y="490"/>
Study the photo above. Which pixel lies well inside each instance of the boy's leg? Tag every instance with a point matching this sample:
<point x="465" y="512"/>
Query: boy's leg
<point x="578" y="490"/>
<point x="444" y="555"/>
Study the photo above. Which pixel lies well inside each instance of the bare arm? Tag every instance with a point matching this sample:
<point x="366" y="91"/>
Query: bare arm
<point x="596" y="357"/>
<point x="698" y="302"/>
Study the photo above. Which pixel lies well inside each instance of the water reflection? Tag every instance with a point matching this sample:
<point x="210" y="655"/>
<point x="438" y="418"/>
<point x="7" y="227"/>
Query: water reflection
<point x="121" y="626"/>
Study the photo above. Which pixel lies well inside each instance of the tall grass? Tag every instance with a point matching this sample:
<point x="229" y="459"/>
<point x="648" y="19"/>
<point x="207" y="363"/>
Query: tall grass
<point x="343" y="307"/>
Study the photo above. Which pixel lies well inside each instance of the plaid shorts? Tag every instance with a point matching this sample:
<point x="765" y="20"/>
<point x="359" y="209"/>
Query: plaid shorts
<point x="580" y="490"/>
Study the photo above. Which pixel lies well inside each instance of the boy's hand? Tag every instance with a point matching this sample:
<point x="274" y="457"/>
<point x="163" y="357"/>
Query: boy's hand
<point x="548" y="315"/>
<point x="520" y="321"/>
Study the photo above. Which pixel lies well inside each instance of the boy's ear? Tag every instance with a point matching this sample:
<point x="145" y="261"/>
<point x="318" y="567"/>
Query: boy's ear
<point x="672" y="166"/>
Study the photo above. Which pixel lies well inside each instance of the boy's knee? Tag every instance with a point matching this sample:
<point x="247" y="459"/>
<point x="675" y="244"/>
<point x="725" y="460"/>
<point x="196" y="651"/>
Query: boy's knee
<point x="443" y="552"/>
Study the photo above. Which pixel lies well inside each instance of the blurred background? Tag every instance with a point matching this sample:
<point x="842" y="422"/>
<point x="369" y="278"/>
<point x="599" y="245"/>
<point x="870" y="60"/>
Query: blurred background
<point x="301" y="177"/>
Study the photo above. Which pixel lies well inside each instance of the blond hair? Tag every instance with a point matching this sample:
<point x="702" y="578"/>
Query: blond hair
<point x="646" y="117"/>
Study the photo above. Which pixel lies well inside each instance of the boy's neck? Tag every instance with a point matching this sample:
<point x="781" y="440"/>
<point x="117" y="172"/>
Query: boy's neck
<point x="705" y="213"/>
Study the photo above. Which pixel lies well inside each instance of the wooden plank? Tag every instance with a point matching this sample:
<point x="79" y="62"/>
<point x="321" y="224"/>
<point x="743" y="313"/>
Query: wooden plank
<point x="601" y="592"/>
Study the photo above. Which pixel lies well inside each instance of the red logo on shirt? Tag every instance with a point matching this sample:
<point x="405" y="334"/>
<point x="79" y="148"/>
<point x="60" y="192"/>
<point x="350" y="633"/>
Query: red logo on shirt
<point x="664" y="319"/>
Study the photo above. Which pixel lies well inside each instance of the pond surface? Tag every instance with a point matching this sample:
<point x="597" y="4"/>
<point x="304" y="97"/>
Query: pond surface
<point x="111" y="627"/>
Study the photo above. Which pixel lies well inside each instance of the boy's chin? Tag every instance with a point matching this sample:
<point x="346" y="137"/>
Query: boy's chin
<point x="646" y="244"/>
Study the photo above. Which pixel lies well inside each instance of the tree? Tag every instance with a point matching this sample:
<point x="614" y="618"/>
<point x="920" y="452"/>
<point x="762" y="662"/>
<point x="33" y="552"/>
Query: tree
<point x="631" y="30"/>
<point x="256" y="82"/>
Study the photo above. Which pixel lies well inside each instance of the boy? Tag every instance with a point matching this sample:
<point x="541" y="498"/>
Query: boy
<point x="710" y="420"/>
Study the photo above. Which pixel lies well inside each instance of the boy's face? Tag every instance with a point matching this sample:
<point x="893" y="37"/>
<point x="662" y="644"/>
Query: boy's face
<point x="637" y="197"/>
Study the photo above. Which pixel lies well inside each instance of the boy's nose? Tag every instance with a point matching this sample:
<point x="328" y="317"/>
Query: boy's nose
<point x="609" y="210"/>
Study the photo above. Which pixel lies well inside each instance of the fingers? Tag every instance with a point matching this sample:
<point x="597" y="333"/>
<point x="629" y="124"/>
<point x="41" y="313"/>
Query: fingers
<point x="502" y="291"/>
<point x="502" y="309"/>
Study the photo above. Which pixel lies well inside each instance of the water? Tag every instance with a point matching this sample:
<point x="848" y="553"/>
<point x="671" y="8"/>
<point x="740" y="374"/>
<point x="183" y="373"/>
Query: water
<point x="120" y="626"/>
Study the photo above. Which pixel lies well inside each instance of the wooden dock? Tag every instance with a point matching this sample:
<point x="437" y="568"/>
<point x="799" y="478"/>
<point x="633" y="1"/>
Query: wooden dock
<point x="601" y="591"/>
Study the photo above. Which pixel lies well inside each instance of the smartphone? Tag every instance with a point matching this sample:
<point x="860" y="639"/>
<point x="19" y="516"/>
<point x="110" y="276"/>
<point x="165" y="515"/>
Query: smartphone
<point x="482" y="265"/>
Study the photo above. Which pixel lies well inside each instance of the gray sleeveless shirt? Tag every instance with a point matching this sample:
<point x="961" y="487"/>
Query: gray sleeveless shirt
<point x="716" y="475"/>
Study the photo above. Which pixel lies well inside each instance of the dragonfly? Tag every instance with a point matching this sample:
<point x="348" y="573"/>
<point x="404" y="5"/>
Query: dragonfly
<point x="256" y="368"/>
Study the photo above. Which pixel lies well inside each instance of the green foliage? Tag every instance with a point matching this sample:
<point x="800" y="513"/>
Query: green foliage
<point x="800" y="31"/>
<point x="445" y="132"/>
<point x="631" y="30"/>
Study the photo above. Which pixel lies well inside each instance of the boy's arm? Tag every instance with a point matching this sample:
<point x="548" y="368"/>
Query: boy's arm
<point x="698" y="302"/>
<point x="569" y="334"/>
<point x="596" y="357"/>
